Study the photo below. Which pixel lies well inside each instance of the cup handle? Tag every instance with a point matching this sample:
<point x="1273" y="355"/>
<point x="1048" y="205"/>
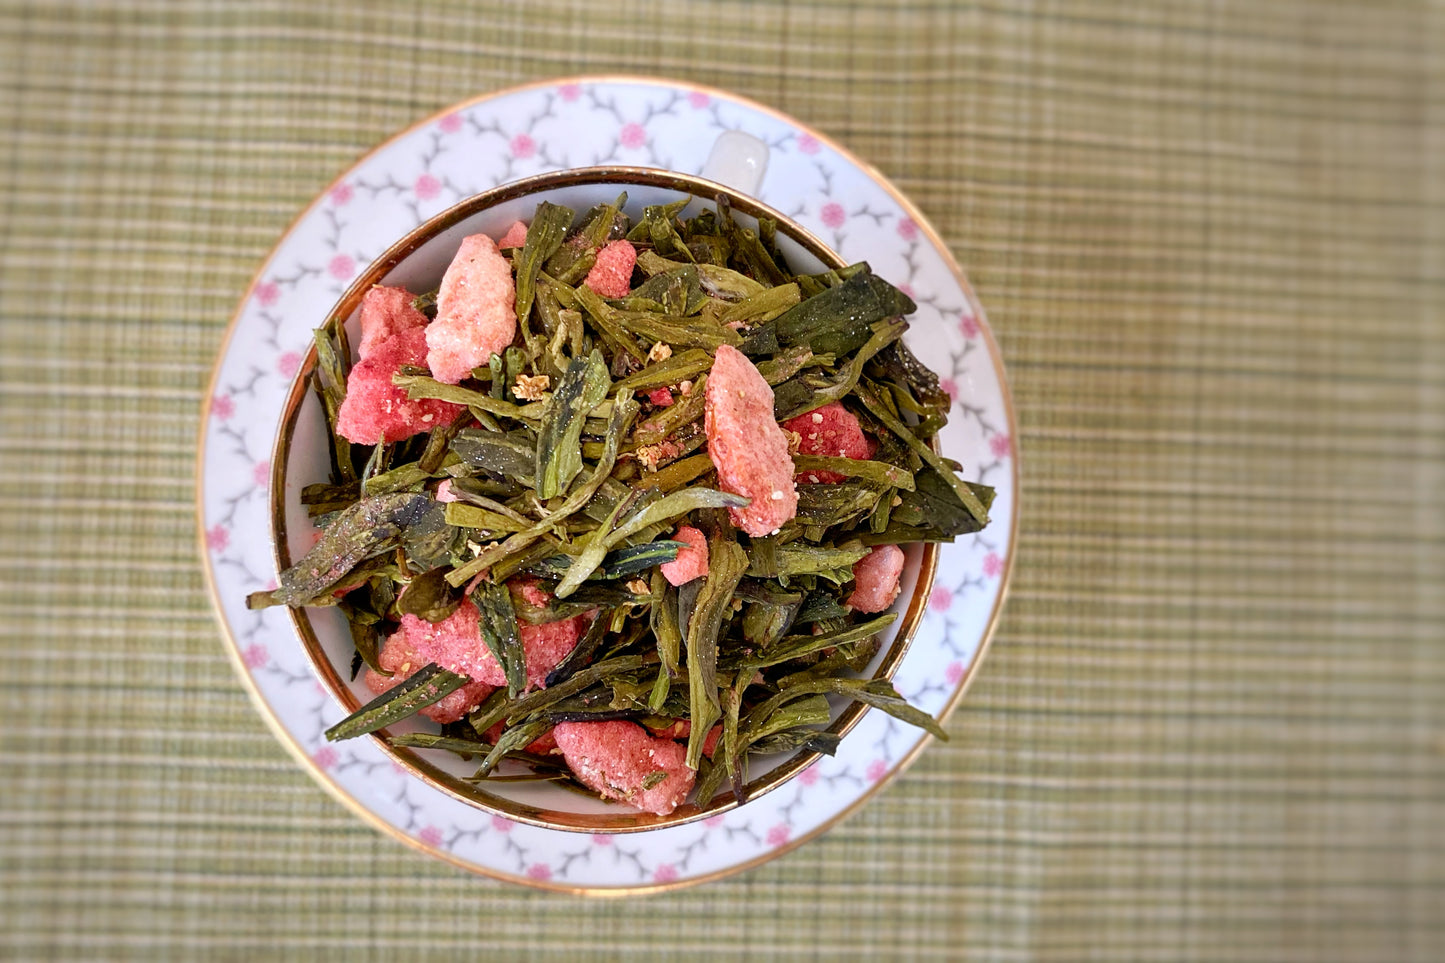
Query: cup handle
<point x="738" y="160"/>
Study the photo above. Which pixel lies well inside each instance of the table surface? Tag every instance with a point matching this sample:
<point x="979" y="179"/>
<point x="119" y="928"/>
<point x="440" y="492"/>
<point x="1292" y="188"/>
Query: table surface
<point x="1211" y="241"/>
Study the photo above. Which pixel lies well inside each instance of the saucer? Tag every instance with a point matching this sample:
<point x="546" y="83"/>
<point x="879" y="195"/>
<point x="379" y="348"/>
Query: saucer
<point x="475" y="146"/>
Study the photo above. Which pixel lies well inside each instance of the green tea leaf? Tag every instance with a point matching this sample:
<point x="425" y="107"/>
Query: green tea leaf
<point x="965" y="494"/>
<point x="544" y="236"/>
<point x="429" y="597"/>
<point x="620" y="563"/>
<point x="726" y="563"/>
<point x="497" y="453"/>
<point x="369" y="528"/>
<point x="498" y="623"/>
<point x="840" y="320"/>
<point x="797" y="646"/>
<point x="428" y="686"/>
<point x="878" y="472"/>
<point x="559" y="453"/>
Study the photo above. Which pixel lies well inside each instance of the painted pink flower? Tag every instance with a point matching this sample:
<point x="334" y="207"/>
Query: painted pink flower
<point x="949" y="386"/>
<point x="968" y="324"/>
<point x="808" y="144"/>
<point x="698" y="99"/>
<point x="272" y="585"/>
<point x="833" y="214"/>
<point x="953" y="673"/>
<point x="398" y="768"/>
<point x="502" y="824"/>
<point x="342" y="266"/>
<point x="427" y="186"/>
<point x="907" y="289"/>
<point x="261" y="474"/>
<point x="908" y="229"/>
<point x="288" y="364"/>
<point x="569" y="92"/>
<point x="713" y="822"/>
<point x="217" y="538"/>
<point x="540" y="871"/>
<point x="223" y="407"/>
<point x="1001" y="446"/>
<point x="430" y="835"/>
<point x="779" y="834"/>
<point x="255" y="655"/>
<point x="941" y="600"/>
<point x="523" y="146"/>
<point x="992" y="565"/>
<point x="664" y="873"/>
<point x="450" y="124"/>
<point x="341" y="194"/>
<point x="267" y="292"/>
<point x="809" y="776"/>
<point x="632" y="136"/>
<point x="876" y="770"/>
<point x="601" y="839"/>
<point x="325" y="757"/>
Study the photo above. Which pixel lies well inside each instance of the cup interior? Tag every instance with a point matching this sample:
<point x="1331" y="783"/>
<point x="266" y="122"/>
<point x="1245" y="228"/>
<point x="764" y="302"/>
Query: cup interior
<point x="417" y="263"/>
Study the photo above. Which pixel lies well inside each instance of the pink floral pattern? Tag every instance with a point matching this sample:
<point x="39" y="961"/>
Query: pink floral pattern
<point x="523" y="147"/>
<point x="632" y="136"/>
<point x="427" y="186"/>
<point x="512" y="135"/>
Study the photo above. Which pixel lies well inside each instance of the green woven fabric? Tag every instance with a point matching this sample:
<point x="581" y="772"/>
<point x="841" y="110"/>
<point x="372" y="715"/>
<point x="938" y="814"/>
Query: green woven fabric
<point x="1211" y="240"/>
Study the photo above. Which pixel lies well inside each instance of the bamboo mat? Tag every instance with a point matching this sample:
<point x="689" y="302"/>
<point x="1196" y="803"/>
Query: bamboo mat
<point x="1211" y="241"/>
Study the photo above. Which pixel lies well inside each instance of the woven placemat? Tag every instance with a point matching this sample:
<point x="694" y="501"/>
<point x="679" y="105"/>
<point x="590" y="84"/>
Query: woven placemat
<point x="1211" y="240"/>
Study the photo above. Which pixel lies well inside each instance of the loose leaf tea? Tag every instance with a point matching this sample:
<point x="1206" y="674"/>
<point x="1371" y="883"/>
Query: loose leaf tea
<point x="616" y="541"/>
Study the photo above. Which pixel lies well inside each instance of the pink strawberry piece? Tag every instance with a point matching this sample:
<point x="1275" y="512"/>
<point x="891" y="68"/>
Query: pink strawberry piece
<point x="475" y="311"/>
<point x="832" y="431"/>
<point x="876" y="576"/>
<point x="456" y="643"/>
<point x="611" y="275"/>
<point x="662" y="397"/>
<point x="386" y="312"/>
<point x="619" y="758"/>
<point x="746" y="444"/>
<point x="375" y="410"/>
<point x="399" y="658"/>
<point x="516" y="236"/>
<point x="691" y="562"/>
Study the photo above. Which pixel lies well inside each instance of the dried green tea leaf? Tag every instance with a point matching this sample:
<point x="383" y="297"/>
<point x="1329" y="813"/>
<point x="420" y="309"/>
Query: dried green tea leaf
<point x="513" y="740"/>
<point x="726" y="563"/>
<point x="497" y="453"/>
<point x="621" y="563"/>
<point x="559" y="452"/>
<point x="428" y="686"/>
<point x="369" y="528"/>
<point x="965" y="494"/>
<point x="802" y="558"/>
<point x="839" y="320"/>
<point x="498" y="623"/>
<point x="544" y="236"/>
<point x="797" y="646"/>
<point x="429" y="597"/>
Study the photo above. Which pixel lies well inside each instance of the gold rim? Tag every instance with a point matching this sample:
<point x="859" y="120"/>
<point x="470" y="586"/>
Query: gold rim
<point x="369" y="817"/>
<point x="300" y="391"/>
